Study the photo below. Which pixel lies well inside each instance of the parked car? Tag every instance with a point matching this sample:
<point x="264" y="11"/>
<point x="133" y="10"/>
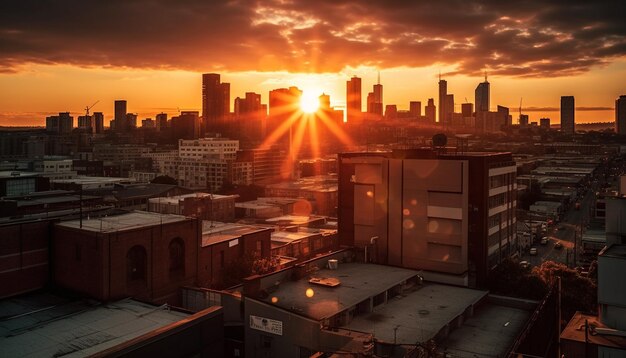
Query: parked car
<point x="558" y="245"/>
<point x="524" y="264"/>
<point x="544" y="240"/>
<point x="533" y="251"/>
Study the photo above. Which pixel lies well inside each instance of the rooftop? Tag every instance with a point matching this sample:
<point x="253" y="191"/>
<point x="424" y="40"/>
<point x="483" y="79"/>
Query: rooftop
<point x="575" y="331"/>
<point x="214" y="232"/>
<point x="126" y="221"/>
<point x="45" y="325"/>
<point x="417" y="316"/>
<point x="357" y="282"/>
<point x="7" y="174"/>
<point x="488" y="333"/>
<point x="175" y="199"/>
<point x="617" y="251"/>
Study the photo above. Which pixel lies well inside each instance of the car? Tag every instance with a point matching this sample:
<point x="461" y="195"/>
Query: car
<point x="544" y="240"/>
<point x="558" y="245"/>
<point x="533" y="251"/>
<point x="524" y="264"/>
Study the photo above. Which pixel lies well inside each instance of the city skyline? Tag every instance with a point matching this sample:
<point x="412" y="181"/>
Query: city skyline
<point x="529" y="51"/>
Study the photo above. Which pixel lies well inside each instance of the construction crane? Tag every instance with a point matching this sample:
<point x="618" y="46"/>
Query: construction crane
<point x="87" y="108"/>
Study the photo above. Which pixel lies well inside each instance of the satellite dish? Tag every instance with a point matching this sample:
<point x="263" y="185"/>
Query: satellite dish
<point x="440" y="140"/>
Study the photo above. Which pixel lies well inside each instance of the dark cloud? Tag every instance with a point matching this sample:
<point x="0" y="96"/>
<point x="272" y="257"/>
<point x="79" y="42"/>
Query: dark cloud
<point x="521" y="38"/>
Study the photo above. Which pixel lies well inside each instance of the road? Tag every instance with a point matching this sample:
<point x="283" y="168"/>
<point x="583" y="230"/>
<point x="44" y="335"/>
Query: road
<point x="566" y="232"/>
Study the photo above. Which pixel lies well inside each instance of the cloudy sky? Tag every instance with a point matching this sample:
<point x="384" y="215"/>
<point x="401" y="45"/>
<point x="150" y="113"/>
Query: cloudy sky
<point x="63" y="55"/>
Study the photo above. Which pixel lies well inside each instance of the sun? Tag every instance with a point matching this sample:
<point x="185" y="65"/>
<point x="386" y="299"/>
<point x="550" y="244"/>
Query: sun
<point x="309" y="103"/>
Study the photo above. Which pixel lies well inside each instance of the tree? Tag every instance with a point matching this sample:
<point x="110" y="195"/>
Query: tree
<point x="511" y="279"/>
<point x="578" y="293"/>
<point x="249" y="264"/>
<point x="164" y="179"/>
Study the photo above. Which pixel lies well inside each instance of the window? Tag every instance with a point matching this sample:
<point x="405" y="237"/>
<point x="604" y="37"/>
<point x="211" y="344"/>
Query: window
<point x="177" y="256"/>
<point x="136" y="263"/>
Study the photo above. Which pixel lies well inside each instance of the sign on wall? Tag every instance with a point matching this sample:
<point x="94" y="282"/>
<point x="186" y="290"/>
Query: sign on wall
<point x="266" y="325"/>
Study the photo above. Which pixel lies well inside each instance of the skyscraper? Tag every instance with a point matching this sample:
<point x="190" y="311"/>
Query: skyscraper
<point x="353" y="100"/>
<point x="415" y="108"/>
<point x="284" y="102"/>
<point x="121" y="125"/>
<point x="620" y="115"/>
<point x="481" y="95"/>
<point x="215" y="102"/>
<point x="430" y="111"/>
<point x="98" y="122"/>
<point x="443" y="91"/>
<point x="567" y="114"/>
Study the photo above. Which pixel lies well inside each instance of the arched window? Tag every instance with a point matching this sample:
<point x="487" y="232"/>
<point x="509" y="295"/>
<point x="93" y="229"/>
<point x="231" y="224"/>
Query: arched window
<point x="136" y="263"/>
<point x="177" y="256"/>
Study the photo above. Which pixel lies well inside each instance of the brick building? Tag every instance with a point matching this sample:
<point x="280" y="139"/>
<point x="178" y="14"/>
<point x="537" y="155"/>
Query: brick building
<point x="144" y="255"/>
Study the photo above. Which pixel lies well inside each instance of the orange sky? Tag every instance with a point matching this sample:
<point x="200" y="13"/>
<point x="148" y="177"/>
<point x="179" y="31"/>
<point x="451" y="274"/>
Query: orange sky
<point x="26" y="97"/>
<point x="63" y="56"/>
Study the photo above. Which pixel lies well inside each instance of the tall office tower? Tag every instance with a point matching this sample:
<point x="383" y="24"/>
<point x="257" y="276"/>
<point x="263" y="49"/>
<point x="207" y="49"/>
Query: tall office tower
<point x="225" y="90"/>
<point x="86" y="123"/>
<point x="415" y="108"/>
<point x="544" y="123"/>
<point x="324" y="102"/>
<point x="430" y="111"/>
<point x="523" y="120"/>
<point x="481" y="95"/>
<point x="467" y="109"/>
<point x="391" y="111"/>
<point x="98" y="122"/>
<point x="131" y="120"/>
<point x="215" y="102"/>
<point x="377" y="106"/>
<point x="503" y="118"/>
<point x="443" y="91"/>
<point x="353" y="100"/>
<point x="66" y="123"/>
<point x="52" y="124"/>
<point x="284" y="103"/>
<point x="449" y="110"/>
<point x="187" y="125"/>
<point x="161" y="121"/>
<point x="121" y="125"/>
<point x="620" y="115"/>
<point x="370" y="102"/>
<point x="567" y="114"/>
<point x="251" y="104"/>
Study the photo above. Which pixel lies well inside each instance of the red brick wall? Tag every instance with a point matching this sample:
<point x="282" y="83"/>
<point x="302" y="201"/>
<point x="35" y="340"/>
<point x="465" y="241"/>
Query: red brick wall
<point x="102" y="270"/>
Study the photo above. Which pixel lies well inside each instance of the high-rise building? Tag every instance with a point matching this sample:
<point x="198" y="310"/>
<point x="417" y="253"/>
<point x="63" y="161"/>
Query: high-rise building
<point x="544" y="123"/>
<point x="415" y="108"/>
<point x="523" y="120"/>
<point x="353" y="100"/>
<point x="620" y="115"/>
<point x="98" y="122"/>
<point x="66" y="123"/>
<point x="187" y="125"/>
<point x="449" y="109"/>
<point x="121" y="124"/>
<point x="161" y="121"/>
<point x="567" y="114"/>
<point x="504" y="118"/>
<point x="85" y="123"/>
<point x="430" y="111"/>
<point x="481" y="95"/>
<point x="443" y="92"/>
<point x="215" y="102"/>
<point x="131" y="120"/>
<point x="283" y="104"/>
<point x="467" y="109"/>
<point x="456" y="219"/>
<point x="391" y="111"/>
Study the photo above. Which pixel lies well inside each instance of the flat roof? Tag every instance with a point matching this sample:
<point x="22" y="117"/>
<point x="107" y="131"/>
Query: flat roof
<point x="294" y="219"/>
<point x="126" y="221"/>
<point x="358" y="282"/>
<point x="91" y="180"/>
<point x="9" y="174"/>
<point x="575" y="331"/>
<point x="615" y="251"/>
<point x="289" y="236"/>
<point x="175" y="199"/>
<point x="43" y="325"/>
<point x="214" y="232"/>
<point x="488" y="333"/>
<point x="419" y="315"/>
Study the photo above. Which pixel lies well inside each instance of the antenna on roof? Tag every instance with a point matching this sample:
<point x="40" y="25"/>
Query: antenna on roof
<point x="485" y="75"/>
<point x="378" y="77"/>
